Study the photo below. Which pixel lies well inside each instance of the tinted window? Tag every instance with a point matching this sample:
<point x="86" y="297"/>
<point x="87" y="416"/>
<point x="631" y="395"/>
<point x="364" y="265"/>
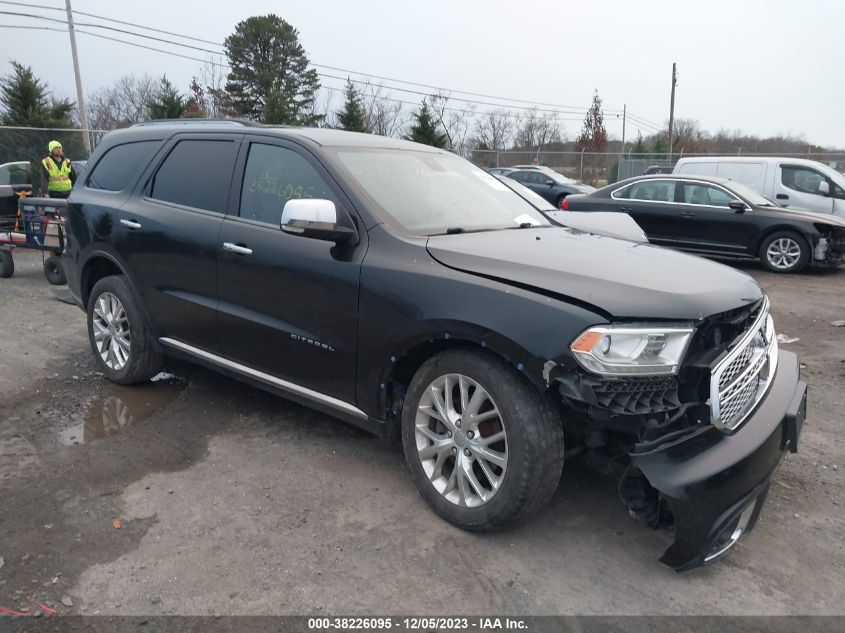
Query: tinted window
<point x="121" y="165"/>
<point x="707" y="194"/>
<point x="801" y="179"/>
<point x="275" y="175"/>
<point x="196" y="174"/>
<point x="519" y="176"/>
<point x="660" y="190"/>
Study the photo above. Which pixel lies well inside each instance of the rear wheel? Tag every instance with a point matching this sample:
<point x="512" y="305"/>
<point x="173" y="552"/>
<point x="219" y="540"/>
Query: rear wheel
<point x="118" y="333"/>
<point x="785" y="252"/>
<point x="7" y="264"/>
<point x="485" y="449"/>
<point x="54" y="270"/>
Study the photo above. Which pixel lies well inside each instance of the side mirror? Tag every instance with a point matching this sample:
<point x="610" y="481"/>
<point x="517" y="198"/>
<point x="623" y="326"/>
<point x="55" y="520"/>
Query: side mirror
<point x="824" y="188"/>
<point x="550" y="182"/>
<point x="739" y="206"/>
<point x="318" y="219"/>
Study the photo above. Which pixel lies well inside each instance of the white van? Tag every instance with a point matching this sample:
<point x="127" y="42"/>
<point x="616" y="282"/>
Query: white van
<point x="789" y="182"/>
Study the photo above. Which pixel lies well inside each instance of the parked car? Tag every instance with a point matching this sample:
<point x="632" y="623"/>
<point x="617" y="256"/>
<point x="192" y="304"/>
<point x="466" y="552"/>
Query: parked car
<point x="790" y="182"/>
<point x="721" y="217"/>
<point x="658" y="169"/>
<point x="401" y="288"/>
<point x="609" y="224"/>
<point x="14" y="180"/>
<point x="547" y="183"/>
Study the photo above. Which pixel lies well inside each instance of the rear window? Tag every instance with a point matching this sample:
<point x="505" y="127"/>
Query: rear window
<point x="196" y="174"/>
<point x="121" y="165"/>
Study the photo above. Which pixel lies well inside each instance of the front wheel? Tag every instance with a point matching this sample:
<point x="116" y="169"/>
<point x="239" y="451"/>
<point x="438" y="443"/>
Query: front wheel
<point x="118" y="333"/>
<point x="485" y="449"/>
<point x="784" y="252"/>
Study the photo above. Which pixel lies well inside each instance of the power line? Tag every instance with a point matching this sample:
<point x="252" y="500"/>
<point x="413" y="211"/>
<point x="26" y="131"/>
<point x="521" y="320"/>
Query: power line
<point x="333" y="68"/>
<point x="557" y="111"/>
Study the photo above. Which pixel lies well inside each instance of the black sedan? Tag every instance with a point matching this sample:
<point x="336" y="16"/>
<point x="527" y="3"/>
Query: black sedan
<point x="721" y="217"/>
<point x="543" y="181"/>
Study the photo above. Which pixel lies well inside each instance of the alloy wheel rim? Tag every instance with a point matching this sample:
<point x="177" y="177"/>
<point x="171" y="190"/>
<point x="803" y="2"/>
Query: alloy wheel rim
<point x="461" y="440"/>
<point x="112" y="335"/>
<point x="783" y="253"/>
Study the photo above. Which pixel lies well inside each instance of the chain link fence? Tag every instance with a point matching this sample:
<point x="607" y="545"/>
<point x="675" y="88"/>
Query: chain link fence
<point x="29" y="145"/>
<point x="26" y="144"/>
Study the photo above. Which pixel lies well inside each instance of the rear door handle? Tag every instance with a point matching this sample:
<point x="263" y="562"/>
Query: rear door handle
<point x="626" y="209"/>
<point x="236" y="248"/>
<point x="782" y="196"/>
<point x="131" y="224"/>
<point x="687" y="214"/>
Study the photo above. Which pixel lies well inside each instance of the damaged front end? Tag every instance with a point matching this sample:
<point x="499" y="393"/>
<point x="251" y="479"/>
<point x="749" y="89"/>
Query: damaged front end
<point x="830" y="247"/>
<point x="695" y="449"/>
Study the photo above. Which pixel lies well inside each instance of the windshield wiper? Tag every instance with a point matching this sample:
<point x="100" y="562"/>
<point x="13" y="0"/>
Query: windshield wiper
<point x="454" y="230"/>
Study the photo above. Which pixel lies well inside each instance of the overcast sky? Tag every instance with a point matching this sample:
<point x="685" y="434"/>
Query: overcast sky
<point x="763" y="67"/>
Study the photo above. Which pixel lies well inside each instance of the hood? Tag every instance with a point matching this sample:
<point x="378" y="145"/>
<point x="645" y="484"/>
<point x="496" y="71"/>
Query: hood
<point x="803" y="214"/>
<point x="620" y="278"/>
<point x="608" y="223"/>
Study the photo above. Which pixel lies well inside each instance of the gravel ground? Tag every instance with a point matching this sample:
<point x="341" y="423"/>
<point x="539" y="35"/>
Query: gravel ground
<point x="199" y="495"/>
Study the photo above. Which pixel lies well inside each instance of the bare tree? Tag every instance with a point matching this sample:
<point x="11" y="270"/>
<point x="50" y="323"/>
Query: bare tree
<point x="121" y="104"/>
<point x="385" y="115"/>
<point x="494" y="129"/>
<point x="535" y="130"/>
<point x="212" y="83"/>
<point x="456" y="122"/>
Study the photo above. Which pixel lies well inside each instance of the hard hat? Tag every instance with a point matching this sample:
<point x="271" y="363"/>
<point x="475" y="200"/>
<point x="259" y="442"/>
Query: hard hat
<point x="53" y="145"/>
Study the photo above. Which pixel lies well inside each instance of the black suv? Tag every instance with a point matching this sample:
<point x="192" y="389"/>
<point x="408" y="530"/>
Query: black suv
<point x="397" y="286"/>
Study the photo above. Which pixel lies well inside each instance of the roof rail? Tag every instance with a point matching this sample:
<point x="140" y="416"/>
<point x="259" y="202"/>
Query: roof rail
<point x="237" y="122"/>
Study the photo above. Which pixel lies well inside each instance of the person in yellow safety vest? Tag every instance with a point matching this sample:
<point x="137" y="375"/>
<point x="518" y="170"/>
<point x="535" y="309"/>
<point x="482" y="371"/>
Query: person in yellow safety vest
<point x="57" y="175"/>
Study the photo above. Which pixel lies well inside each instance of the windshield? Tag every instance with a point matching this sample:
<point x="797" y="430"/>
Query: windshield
<point x="430" y="194"/>
<point x="750" y="195"/>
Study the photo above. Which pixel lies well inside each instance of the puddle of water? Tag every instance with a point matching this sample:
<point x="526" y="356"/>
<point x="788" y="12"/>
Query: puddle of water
<point x="121" y="408"/>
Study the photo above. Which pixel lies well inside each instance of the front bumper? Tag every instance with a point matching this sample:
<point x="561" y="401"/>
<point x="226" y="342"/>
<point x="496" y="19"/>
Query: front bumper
<point x="715" y="483"/>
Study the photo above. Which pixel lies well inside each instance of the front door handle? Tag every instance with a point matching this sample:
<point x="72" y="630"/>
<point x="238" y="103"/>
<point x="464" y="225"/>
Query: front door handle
<point x="236" y="248"/>
<point x="782" y="196"/>
<point x="626" y="209"/>
<point x="687" y="214"/>
<point x="132" y="225"/>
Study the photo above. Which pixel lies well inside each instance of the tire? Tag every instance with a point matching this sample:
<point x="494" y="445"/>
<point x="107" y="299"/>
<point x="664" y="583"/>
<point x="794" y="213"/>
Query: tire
<point x="532" y="445"/>
<point x="7" y="264"/>
<point x="784" y="252"/>
<point x="124" y="348"/>
<point x="54" y="270"/>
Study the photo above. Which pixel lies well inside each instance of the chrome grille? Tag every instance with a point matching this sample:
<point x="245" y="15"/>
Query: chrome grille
<point x="742" y="377"/>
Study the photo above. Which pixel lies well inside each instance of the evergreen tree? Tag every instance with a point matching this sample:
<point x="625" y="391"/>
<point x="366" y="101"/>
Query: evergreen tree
<point x="352" y="117"/>
<point x="168" y="103"/>
<point x="593" y="138"/>
<point x="425" y="129"/>
<point x="639" y="147"/>
<point x="269" y="79"/>
<point x="26" y="101"/>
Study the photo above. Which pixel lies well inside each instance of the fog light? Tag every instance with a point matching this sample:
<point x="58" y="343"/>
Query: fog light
<point x="732" y="533"/>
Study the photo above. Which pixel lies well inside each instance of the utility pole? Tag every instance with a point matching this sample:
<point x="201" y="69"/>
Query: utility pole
<point x="80" y="98"/>
<point x="622" y="153"/>
<point x="672" y="111"/>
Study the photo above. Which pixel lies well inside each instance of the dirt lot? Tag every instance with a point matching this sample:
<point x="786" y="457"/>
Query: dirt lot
<point x="199" y="495"/>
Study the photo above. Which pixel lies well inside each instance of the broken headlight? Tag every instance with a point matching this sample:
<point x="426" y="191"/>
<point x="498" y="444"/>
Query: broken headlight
<point x="632" y="350"/>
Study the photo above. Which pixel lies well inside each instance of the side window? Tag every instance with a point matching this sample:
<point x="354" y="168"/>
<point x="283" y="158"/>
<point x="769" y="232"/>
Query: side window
<point x="801" y="179"/>
<point x="196" y="173"/>
<point x="520" y="176"/>
<point x="275" y="175"/>
<point x="707" y="194"/>
<point x="121" y="165"/>
<point x="658" y="190"/>
<point x="838" y="192"/>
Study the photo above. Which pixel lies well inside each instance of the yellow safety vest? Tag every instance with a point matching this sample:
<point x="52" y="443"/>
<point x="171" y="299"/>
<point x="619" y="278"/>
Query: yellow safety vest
<point x="59" y="175"/>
